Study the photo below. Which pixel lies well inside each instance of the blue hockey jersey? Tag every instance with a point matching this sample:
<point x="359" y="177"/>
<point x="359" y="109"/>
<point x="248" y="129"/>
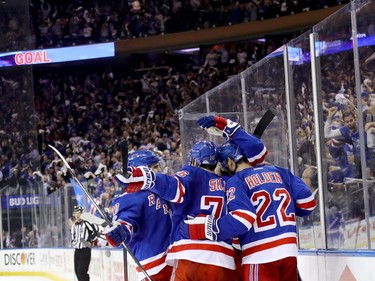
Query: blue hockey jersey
<point x="194" y="191"/>
<point x="147" y="217"/>
<point x="252" y="147"/>
<point x="263" y="203"/>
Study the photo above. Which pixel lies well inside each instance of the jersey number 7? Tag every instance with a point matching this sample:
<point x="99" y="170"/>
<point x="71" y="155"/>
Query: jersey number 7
<point x="216" y="202"/>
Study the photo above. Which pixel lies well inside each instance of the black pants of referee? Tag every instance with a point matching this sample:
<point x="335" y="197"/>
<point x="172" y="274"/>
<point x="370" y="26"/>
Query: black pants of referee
<point x="82" y="258"/>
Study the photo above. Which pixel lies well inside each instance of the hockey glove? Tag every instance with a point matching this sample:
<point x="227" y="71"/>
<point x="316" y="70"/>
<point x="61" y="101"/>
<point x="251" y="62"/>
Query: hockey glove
<point x="200" y="227"/>
<point x="141" y="178"/>
<point x="226" y="126"/>
<point x="116" y="234"/>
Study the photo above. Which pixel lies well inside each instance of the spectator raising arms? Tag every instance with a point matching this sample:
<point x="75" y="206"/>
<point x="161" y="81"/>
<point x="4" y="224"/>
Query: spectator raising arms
<point x="349" y="133"/>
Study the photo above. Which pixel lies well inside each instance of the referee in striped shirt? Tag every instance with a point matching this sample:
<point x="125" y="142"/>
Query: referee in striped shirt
<point x="83" y="233"/>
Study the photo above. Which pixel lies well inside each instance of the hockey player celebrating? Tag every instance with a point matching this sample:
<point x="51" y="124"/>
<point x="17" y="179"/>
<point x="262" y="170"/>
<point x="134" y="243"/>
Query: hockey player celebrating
<point x="195" y="189"/>
<point x="263" y="202"/>
<point x="142" y="220"/>
<point x="233" y="131"/>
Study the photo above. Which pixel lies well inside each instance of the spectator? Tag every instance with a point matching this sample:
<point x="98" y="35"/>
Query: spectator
<point x="350" y="134"/>
<point x="335" y="228"/>
<point x="212" y="59"/>
<point x="365" y="101"/>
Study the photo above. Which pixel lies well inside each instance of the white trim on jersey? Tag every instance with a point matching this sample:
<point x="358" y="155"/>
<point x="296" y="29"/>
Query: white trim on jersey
<point x="247" y="218"/>
<point x="270" y="249"/>
<point x="202" y="251"/>
<point x="152" y="265"/>
<point x="180" y="192"/>
<point x="273" y="254"/>
<point x="307" y="203"/>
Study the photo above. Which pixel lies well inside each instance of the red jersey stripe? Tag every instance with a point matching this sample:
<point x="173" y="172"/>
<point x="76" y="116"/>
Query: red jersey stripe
<point x="152" y="264"/>
<point x="243" y="215"/>
<point x="269" y="245"/>
<point x="307" y="205"/>
<point x="202" y="247"/>
<point x="180" y="192"/>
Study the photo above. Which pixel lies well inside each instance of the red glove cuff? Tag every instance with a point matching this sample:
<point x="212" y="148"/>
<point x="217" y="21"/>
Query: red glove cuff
<point x="111" y="242"/>
<point x="220" y="122"/>
<point x="197" y="231"/>
<point x="136" y="172"/>
<point x="134" y="187"/>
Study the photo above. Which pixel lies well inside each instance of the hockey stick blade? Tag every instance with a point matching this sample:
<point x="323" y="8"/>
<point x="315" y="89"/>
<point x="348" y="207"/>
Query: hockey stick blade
<point x="93" y="219"/>
<point x="100" y="211"/>
<point x="264" y="122"/>
<point x="124" y="155"/>
<point x="71" y="171"/>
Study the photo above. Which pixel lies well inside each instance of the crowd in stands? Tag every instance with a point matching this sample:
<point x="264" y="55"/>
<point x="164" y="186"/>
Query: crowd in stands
<point x="342" y="129"/>
<point x="64" y="23"/>
<point x="85" y="110"/>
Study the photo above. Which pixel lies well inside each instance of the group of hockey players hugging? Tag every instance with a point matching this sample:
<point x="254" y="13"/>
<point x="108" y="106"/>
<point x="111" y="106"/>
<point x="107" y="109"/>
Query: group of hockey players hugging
<point x="225" y="216"/>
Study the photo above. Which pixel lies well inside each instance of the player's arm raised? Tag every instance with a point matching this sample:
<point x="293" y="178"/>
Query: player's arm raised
<point x="170" y="188"/>
<point x="226" y="127"/>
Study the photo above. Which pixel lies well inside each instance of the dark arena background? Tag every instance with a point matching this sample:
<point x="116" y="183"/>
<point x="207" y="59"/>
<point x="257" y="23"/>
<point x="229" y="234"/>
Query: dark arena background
<point x="84" y="75"/>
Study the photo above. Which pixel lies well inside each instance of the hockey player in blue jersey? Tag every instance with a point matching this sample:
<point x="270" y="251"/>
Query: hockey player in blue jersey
<point x="142" y="221"/>
<point x="263" y="202"/>
<point x="232" y="131"/>
<point x="194" y="189"/>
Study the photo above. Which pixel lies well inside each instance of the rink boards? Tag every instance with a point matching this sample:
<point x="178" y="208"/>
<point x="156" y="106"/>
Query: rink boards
<point x="57" y="265"/>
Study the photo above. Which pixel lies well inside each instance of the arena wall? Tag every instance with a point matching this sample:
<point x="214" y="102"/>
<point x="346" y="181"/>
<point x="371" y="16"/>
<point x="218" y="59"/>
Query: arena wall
<point x="107" y="264"/>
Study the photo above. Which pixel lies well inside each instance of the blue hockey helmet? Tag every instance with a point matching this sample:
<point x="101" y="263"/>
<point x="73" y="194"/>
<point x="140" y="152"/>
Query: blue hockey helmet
<point x="229" y="150"/>
<point x="204" y="152"/>
<point x="143" y="158"/>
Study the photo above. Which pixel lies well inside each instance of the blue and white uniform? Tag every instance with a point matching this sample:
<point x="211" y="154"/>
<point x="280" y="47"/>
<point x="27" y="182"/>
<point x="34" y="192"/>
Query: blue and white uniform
<point x="263" y="236"/>
<point x="263" y="202"/>
<point x="194" y="191"/>
<point x="147" y="219"/>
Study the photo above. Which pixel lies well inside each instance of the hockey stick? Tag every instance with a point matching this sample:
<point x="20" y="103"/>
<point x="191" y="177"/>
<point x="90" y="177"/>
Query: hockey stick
<point x="124" y="160"/>
<point x="124" y="156"/>
<point x="100" y="211"/>
<point x="93" y="219"/>
<point x="264" y="122"/>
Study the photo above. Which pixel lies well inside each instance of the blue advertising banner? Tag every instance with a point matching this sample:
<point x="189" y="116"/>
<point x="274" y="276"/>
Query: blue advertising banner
<point x="16" y="201"/>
